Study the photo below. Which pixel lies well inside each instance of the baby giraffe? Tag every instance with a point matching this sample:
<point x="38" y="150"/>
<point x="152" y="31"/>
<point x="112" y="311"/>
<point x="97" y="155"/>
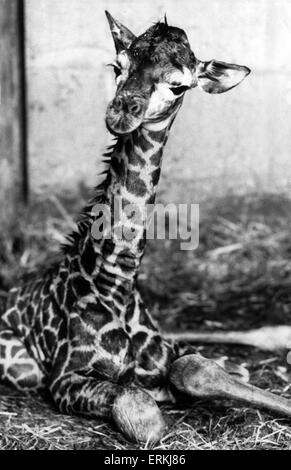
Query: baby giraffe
<point x="81" y="328"/>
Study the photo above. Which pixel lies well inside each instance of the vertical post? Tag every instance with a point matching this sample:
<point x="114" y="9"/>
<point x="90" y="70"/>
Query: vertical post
<point x="13" y="122"/>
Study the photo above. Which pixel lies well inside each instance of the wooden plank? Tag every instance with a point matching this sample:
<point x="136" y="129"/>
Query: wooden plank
<point x="13" y="123"/>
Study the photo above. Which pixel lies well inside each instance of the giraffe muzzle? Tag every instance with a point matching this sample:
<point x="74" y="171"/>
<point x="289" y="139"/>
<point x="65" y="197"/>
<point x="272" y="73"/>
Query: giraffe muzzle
<point x="125" y="113"/>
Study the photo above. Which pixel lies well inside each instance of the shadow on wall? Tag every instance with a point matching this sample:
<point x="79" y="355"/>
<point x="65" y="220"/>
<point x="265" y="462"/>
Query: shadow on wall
<point x="232" y="143"/>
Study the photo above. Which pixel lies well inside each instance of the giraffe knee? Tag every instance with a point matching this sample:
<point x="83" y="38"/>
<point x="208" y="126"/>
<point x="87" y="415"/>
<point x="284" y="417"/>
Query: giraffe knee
<point x="138" y="416"/>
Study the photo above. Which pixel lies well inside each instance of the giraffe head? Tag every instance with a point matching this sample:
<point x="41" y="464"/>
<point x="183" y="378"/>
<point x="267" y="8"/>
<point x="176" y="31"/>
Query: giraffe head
<point x="153" y="72"/>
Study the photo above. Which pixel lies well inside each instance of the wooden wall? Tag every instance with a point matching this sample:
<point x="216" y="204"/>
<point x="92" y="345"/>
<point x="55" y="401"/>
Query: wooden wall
<point x="13" y="169"/>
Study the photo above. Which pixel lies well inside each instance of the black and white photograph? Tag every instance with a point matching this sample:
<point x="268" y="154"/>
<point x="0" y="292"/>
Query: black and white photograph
<point x="145" y="227"/>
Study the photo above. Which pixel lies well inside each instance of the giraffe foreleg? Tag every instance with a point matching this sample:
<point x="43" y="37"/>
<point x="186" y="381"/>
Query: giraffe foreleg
<point x="134" y="412"/>
<point x="17" y="367"/>
<point x="202" y="378"/>
<point x="153" y="355"/>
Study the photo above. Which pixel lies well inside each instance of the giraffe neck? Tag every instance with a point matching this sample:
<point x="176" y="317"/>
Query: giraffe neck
<point x="111" y="257"/>
<point x="133" y="178"/>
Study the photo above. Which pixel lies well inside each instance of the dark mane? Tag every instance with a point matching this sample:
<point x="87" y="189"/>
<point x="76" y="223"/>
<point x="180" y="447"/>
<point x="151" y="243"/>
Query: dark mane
<point x="99" y="197"/>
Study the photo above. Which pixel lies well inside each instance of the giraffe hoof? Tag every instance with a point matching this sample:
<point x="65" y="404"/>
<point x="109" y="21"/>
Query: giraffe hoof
<point x="138" y="416"/>
<point x="237" y="371"/>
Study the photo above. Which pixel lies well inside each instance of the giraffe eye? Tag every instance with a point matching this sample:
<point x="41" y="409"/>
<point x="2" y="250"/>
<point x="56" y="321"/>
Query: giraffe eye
<point x="117" y="71"/>
<point x="178" y="90"/>
<point x="116" y="68"/>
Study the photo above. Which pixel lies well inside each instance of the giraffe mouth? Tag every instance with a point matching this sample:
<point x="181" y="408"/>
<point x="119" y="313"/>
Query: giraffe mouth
<point x="120" y="125"/>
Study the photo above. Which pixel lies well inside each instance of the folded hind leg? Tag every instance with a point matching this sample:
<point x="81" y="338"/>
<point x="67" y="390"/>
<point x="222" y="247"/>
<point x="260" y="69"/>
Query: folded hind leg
<point x="16" y="366"/>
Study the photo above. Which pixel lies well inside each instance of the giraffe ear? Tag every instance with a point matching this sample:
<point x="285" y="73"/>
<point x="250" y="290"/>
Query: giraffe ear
<point x="218" y="77"/>
<point x="122" y="37"/>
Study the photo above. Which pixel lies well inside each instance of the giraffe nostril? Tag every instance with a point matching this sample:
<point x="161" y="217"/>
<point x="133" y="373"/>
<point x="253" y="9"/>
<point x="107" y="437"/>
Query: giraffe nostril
<point x="134" y="108"/>
<point x="118" y="103"/>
